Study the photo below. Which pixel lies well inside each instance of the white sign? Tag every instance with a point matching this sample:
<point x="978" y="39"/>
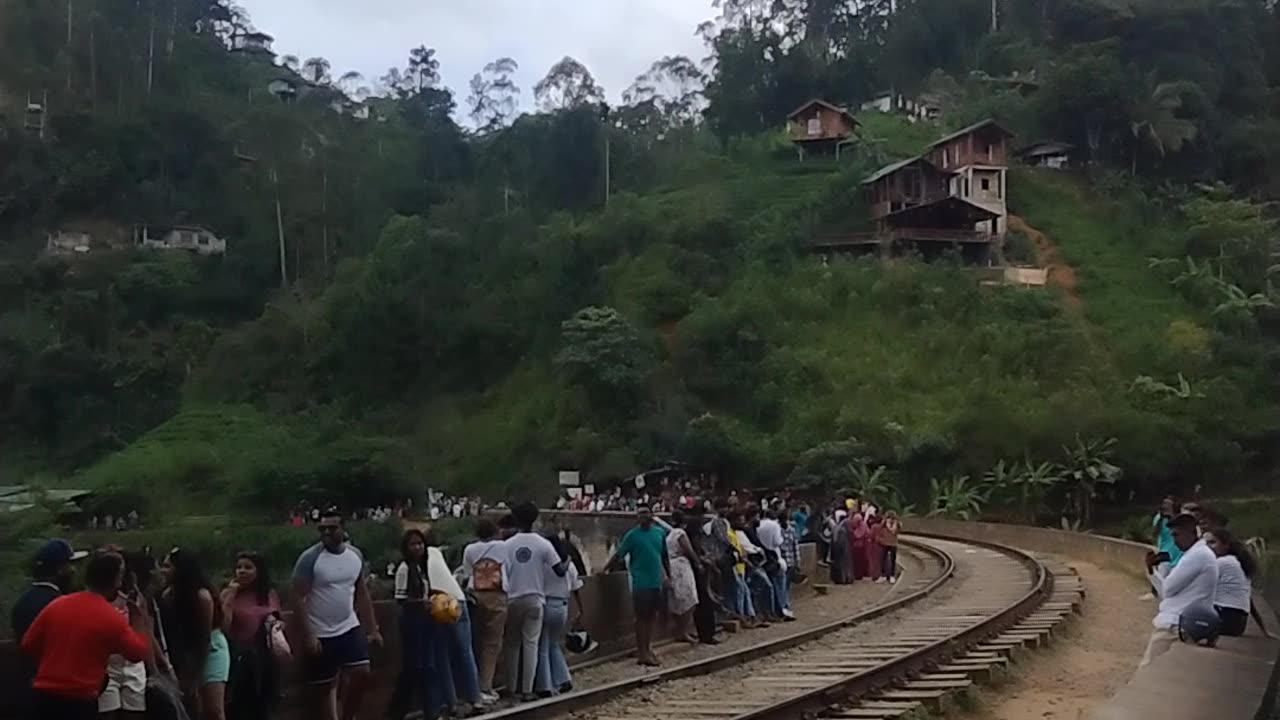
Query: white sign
<point x="589" y="489"/>
<point x="570" y="478"/>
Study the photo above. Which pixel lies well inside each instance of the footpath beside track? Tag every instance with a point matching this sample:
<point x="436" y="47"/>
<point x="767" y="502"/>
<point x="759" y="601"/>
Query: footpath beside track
<point x="955" y="622"/>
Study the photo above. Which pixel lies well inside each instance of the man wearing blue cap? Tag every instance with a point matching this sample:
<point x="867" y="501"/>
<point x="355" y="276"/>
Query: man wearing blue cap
<point x="51" y="578"/>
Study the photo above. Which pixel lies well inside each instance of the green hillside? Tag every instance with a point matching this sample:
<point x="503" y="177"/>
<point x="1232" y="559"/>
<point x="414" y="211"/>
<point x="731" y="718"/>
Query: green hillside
<point x="410" y="302"/>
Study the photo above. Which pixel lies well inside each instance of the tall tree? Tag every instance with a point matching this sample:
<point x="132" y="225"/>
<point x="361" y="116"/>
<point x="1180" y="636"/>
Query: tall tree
<point x="567" y="85"/>
<point x="674" y="85"/>
<point x="316" y="70"/>
<point x="424" y="69"/>
<point x="494" y="94"/>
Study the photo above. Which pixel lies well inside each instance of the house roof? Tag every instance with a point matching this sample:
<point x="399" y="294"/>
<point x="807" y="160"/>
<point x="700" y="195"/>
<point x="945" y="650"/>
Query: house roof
<point x="951" y="209"/>
<point x="892" y="168"/>
<point x="822" y="103"/>
<point x="1045" y="147"/>
<point x="972" y="129"/>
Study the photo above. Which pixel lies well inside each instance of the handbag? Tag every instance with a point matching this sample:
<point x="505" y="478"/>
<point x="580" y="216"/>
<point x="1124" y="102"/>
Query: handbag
<point x="277" y="642"/>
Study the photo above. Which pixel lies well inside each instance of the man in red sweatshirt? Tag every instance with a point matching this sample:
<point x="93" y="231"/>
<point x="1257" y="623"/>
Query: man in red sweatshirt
<point x="73" y="637"/>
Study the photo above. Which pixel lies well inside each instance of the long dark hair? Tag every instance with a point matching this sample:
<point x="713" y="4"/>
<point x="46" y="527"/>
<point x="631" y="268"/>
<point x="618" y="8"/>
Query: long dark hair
<point x="1237" y="548"/>
<point x="262" y="576"/>
<point x="188" y="580"/>
<point x="417" y="568"/>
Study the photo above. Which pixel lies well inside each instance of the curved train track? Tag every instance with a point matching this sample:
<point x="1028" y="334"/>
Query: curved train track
<point x="971" y="605"/>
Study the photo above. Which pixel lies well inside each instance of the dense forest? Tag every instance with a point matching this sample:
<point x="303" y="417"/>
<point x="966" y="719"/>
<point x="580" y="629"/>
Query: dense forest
<point x="474" y="287"/>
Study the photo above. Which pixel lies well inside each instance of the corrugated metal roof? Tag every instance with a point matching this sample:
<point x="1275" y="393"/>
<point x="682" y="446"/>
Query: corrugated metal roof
<point x="895" y="167"/>
<point x="972" y="128"/>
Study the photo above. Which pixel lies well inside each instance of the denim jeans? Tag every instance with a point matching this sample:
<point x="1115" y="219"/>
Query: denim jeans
<point x="553" y="670"/>
<point x="462" y="660"/>
<point x="438" y="693"/>
<point x="520" y="642"/>
<point x="758" y="581"/>
<point x="781" y="591"/>
<point x="739" y="596"/>
<point x="889" y="561"/>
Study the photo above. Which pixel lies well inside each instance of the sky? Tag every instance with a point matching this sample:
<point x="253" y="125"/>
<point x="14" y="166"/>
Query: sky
<point x="616" y="39"/>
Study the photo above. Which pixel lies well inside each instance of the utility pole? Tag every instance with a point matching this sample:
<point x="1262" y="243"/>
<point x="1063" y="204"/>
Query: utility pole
<point x="604" y="120"/>
<point x="284" y="270"/>
<point x="995" y="17"/>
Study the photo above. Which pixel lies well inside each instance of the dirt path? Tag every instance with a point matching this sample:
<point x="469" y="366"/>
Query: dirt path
<point x="1085" y="665"/>
<point x="1061" y="274"/>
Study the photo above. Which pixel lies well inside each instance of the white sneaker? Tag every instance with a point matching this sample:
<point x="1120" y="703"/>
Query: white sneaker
<point x="487" y="699"/>
<point x="1148" y="596"/>
<point x="893" y="580"/>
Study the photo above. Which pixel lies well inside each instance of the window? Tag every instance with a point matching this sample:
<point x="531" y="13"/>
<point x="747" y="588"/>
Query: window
<point x="815" y="125"/>
<point x="986" y="184"/>
<point x="966" y="187"/>
<point x="946" y="157"/>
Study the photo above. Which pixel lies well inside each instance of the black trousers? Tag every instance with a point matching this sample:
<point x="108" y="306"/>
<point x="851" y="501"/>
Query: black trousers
<point x="52" y="707"/>
<point x="1233" y="621"/>
<point x="704" y="615"/>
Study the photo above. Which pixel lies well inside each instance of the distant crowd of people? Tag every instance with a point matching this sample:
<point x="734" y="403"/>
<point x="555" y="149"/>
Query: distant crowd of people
<point x="121" y="522"/>
<point x="661" y="493"/>
<point x="1202" y="577"/>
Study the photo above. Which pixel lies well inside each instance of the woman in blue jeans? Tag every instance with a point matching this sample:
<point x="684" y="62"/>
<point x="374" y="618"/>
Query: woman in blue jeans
<point x="437" y="655"/>
<point x="552" y="676"/>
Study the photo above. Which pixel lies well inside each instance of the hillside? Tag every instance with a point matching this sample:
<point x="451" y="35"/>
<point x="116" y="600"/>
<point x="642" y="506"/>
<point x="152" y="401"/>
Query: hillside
<point x="407" y="303"/>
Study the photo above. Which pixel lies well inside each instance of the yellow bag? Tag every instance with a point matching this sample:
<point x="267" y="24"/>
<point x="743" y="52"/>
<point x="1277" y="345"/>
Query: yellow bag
<point x="445" y="609"/>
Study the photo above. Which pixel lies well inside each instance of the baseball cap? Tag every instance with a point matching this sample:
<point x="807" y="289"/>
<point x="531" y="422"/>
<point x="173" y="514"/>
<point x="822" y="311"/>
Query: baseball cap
<point x="56" y="552"/>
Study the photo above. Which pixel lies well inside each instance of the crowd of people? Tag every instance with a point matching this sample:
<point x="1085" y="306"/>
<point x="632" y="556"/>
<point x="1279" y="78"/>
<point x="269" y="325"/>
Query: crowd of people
<point x="661" y="491"/>
<point x="158" y="637"/>
<point x="859" y="542"/>
<point x="1201" y="576"/>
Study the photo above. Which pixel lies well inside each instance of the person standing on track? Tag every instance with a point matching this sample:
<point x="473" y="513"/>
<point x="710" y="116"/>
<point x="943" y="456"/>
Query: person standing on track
<point x="51" y="575"/>
<point x="530" y="556"/>
<point x="887" y="538"/>
<point x="331" y="612"/>
<point x="645" y="546"/>
<point x="683" y="593"/>
<point x="484" y="567"/>
<point x="73" y="638"/>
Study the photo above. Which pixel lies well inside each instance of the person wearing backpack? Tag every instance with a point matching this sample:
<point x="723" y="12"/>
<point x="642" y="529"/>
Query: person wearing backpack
<point x="484" y="567"/>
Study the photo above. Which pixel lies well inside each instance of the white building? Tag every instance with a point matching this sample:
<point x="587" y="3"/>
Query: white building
<point x="201" y="241"/>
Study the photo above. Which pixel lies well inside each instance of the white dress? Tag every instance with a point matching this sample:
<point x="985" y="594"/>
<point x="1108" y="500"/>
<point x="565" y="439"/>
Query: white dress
<point x="683" y="594"/>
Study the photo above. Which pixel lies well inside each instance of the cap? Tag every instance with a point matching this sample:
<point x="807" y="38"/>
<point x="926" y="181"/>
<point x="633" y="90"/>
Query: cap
<point x="57" y="552"/>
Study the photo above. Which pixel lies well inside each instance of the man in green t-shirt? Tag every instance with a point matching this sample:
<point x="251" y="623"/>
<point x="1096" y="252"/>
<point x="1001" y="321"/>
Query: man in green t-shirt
<point x="644" y="547"/>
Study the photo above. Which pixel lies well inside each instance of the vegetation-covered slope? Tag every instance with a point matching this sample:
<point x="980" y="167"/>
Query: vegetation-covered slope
<point x="446" y="307"/>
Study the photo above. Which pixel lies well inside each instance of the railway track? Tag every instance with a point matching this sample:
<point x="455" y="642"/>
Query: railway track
<point x="970" y="607"/>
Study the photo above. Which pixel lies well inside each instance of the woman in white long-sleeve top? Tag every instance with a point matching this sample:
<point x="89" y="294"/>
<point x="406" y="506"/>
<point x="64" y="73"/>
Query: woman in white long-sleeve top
<point x="1233" y="598"/>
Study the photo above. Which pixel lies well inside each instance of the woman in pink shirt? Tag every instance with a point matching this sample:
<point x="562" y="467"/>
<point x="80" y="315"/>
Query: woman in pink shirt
<point x="249" y="608"/>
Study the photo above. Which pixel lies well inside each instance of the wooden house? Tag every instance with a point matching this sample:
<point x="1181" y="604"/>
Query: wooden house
<point x="949" y="199"/>
<point x="1050" y="154"/>
<point x="820" y="127"/>
<point x="978" y="158"/>
<point x="253" y="42"/>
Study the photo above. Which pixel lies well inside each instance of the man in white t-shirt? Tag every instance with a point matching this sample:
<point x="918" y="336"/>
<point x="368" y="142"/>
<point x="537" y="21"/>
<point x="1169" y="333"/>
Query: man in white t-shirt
<point x="529" y="556"/>
<point x="331" y="602"/>
<point x="1191" y="583"/>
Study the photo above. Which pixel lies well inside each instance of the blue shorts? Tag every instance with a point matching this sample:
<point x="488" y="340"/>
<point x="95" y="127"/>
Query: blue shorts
<point x="350" y="649"/>
<point x="218" y="668"/>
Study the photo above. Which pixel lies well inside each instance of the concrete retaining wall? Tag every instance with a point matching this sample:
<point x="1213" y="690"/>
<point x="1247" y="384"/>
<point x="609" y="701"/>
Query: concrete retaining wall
<point x="1234" y="681"/>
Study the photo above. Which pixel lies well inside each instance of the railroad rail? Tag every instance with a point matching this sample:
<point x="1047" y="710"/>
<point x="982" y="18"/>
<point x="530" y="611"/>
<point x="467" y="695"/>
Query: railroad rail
<point x="956" y="622"/>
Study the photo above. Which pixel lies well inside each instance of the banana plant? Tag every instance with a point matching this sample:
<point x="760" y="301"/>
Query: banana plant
<point x="958" y="497"/>
<point x="1088" y="466"/>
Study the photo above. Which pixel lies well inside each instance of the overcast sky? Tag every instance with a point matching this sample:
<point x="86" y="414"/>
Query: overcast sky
<point x="616" y="39"/>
